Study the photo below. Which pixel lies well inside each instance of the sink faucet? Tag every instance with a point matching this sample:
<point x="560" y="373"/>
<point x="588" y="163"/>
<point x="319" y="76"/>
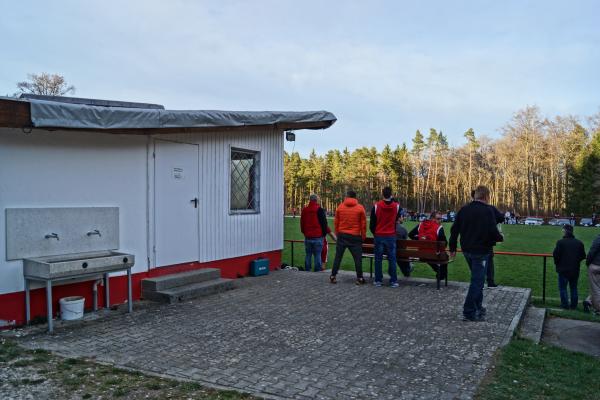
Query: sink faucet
<point x="52" y="236"/>
<point x="94" y="232"/>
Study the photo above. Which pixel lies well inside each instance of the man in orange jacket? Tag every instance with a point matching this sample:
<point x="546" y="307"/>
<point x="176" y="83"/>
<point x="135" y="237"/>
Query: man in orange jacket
<point x="351" y="230"/>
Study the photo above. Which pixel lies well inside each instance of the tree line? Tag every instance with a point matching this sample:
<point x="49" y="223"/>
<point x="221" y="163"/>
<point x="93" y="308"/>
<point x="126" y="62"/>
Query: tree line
<point x="538" y="166"/>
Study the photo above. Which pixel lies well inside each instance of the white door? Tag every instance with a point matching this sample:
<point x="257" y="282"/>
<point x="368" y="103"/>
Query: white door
<point x="176" y="202"/>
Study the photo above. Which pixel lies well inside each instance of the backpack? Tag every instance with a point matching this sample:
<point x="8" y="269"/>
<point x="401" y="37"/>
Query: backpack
<point x="428" y="230"/>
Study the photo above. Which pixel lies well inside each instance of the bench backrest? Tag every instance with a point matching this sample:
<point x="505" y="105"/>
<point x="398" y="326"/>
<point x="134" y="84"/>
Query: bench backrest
<point x="421" y="250"/>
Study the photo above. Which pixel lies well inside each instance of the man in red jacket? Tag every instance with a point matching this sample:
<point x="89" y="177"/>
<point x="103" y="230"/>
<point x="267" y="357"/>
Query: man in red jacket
<point x="383" y="226"/>
<point x="313" y="224"/>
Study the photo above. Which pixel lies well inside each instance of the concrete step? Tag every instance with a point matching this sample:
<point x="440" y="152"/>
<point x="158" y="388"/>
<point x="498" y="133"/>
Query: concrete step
<point x="533" y="324"/>
<point x="191" y="291"/>
<point x="183" y="278"/>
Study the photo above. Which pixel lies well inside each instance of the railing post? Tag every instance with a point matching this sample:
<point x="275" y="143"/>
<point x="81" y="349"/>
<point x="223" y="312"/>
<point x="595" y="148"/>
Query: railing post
<point x="544" y="283"/>
<point x="292" y="242"/>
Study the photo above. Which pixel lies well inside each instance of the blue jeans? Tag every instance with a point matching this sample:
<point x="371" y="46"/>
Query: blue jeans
<point x="313" y="248"/>
<point x="562" y="288"/>
<point x="389" y="245"/>
<point x="474" y="300"/>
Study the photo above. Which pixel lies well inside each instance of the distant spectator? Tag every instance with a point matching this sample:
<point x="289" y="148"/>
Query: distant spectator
<point x="351" y="230"/>
<point x="568" y="254"/>
<point x="593" y="263"/>
<point x="313" y="224"/>
<point x="431" y="229"/>
<point x="384" y="215"/>
<point x="572" y="219"/>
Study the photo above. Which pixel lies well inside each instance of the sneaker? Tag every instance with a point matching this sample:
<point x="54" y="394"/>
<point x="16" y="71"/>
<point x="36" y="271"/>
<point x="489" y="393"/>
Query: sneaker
<point x="474" y="318"/>
<point x="492" y="285"/>
<point x="360" y="281"/>
<point x="377" y="284"/>
<point x="332" y="279"/>
<point x="394" y="285"/>
<point x="586" y="306"/>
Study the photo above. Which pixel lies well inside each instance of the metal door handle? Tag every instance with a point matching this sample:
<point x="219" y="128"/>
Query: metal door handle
<point x="195" y="201"/>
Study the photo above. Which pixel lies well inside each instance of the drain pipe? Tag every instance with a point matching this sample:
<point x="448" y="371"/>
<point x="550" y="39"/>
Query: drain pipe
<point x="95" y="290"/>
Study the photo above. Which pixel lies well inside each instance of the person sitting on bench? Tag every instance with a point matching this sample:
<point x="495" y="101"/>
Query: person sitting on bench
<point x="431" y="229"/>
<point x="402" y="234"/>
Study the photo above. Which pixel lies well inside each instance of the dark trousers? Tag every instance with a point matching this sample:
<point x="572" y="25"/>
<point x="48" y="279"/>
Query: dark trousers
<point x="474" y="300"/>
<point x="563" y="281"/>
<point x="490" y="269"/>
<point x="352" y="243"/>
<point x="404" y="267"/>
<point x="441" y="270"/>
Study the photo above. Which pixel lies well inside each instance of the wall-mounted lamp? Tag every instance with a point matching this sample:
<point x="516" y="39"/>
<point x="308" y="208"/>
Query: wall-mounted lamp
<point x="290" y="136"/>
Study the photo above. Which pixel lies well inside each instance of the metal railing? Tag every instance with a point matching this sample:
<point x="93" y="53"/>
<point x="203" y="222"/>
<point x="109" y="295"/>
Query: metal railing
<point x="544" y="257"/>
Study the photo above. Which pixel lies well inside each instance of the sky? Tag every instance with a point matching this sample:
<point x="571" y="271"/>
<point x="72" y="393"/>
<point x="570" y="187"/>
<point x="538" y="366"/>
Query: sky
<point x="384" y="68"/>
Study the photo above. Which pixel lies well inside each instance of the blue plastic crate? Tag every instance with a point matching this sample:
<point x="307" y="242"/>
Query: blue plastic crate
<point x="259" y="267"/>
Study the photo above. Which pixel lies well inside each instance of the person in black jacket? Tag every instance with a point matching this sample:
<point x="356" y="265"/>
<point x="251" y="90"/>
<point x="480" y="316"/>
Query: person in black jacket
<point x="490" y="269"/>
<point x="475" y="223"/>
<point x="568" y="254"/>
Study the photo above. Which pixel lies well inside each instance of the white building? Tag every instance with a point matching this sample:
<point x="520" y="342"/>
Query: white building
<point x="194" y="189"/>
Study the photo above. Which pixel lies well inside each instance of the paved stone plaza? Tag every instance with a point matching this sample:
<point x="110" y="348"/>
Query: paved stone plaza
<point x="293" y="335"/>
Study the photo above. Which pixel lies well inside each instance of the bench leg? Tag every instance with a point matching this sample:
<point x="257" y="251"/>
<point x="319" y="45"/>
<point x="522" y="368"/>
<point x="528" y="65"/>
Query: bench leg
<point x="371" y="268"/>
<point x="437" y="279"/>
<point x="446" y="275"/>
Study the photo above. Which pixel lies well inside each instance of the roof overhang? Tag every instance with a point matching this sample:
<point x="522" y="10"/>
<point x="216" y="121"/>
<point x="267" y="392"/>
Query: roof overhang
<point x="131" y="118"/>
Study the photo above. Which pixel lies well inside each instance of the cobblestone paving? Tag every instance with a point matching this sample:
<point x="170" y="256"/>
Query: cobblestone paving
<point x="292" y="334"/>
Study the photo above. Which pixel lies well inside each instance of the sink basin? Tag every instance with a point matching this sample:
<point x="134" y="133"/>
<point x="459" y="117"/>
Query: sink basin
<point x="67" y="265"/>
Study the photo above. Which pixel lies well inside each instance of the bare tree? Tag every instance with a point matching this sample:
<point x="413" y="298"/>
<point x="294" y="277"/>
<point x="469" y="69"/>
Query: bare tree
<point x="45" y="84"/>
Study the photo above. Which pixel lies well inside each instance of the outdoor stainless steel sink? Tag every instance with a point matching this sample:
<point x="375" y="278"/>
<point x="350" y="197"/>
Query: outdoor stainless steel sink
<point x="65" y="265"/>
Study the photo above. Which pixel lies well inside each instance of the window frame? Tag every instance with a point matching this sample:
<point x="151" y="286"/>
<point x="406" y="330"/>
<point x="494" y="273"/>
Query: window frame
<point x="257" y="171"/>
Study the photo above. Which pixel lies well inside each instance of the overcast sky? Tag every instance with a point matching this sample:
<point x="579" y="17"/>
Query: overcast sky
<point x="384" y="68"/>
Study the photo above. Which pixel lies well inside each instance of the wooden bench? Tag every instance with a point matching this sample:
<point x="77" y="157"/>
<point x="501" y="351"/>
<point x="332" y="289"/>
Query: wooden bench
<point x="426" y="251"/>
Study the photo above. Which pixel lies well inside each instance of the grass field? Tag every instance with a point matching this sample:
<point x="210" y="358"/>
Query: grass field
<point x="510" y="270"/>
<point x="526" y="371"/>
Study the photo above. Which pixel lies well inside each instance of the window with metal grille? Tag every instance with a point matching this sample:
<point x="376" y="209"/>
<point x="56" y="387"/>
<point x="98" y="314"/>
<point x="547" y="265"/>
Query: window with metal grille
<point x="245" y="180"/>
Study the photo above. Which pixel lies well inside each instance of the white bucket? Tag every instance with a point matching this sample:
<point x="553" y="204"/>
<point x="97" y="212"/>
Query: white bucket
<point x="71" y="307"/>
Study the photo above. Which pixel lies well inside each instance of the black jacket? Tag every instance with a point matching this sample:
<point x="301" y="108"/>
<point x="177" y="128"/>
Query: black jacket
<point x="475" y="223"/>
<point x="593" y="256"/>
<point x="568" y="254"/>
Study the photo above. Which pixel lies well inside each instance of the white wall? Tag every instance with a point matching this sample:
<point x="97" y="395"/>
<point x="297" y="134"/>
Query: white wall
<point x="223" y="235"/>
<point x="73" y="169"/>
<point x="78" y="169"/>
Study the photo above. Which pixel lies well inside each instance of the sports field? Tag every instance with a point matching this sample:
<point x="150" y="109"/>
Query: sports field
<point x="510" y="270"/>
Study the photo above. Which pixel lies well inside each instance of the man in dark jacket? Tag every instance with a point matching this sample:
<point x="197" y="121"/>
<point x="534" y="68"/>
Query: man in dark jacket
<point x="384" y="215"/>
<point x="313" y="224"/>
<point x="476" y="225"/>
<point x="568" y="254"/>
<point x="593" y="263"/>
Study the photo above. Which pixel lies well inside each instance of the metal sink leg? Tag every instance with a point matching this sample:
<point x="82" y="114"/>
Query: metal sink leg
<point x="27" y="302"/>
<point x="129" y="296"/>
<point x="106" y="292"/>
<point x="49" y="305"/>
